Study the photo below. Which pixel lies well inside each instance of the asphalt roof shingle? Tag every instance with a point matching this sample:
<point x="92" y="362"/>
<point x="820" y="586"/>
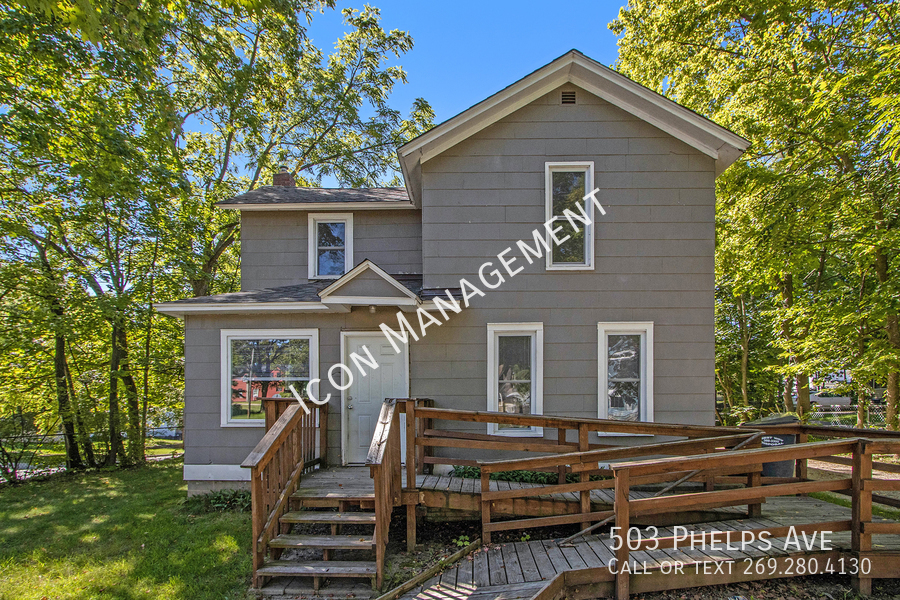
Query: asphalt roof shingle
<point x="272" y="194"/>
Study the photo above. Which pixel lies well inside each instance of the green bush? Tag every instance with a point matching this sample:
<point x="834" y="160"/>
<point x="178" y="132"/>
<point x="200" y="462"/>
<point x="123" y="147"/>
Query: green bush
<point x="220" y="501"/>
<point x="539" y="477"/>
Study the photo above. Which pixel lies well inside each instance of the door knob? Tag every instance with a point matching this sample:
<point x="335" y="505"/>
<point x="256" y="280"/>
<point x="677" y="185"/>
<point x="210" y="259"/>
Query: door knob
<point x="350" y="406"/>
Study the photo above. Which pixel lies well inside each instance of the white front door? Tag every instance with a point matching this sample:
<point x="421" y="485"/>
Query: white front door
<point x="363" y="399"/>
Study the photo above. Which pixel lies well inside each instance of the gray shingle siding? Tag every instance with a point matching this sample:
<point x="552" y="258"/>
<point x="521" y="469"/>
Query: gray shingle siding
<point x="653" y="254"/>
<point x="275" y="247"/>
<point x="654" y="260"/>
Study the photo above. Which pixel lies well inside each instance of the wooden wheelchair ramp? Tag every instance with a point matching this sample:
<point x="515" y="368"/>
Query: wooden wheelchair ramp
<point x="545" y="570"/>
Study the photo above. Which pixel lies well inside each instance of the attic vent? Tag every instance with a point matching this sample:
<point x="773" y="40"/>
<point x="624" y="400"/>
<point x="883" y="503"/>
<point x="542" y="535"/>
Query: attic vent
<point x="568" y="98"/>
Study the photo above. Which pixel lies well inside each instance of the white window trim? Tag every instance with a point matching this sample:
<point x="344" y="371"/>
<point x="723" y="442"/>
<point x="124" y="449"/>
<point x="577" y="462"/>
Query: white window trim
<point x="494" y="331"/>
<point x="226" y="335"/>
<point x="588" y="168"/>
<point x="645" y="330"/>
<point x="313" y="254"/>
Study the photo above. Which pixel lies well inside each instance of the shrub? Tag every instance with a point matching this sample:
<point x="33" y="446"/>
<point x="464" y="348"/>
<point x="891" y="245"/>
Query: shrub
<point x="219" y="501"/>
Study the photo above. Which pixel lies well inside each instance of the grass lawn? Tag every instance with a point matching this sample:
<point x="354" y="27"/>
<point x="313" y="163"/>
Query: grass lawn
<point x="119" y="534"/>
<point x="54" y="455"/>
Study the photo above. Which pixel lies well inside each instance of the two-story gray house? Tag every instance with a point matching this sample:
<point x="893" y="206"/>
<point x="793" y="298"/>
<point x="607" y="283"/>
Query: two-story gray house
<point x="608" y="316"/>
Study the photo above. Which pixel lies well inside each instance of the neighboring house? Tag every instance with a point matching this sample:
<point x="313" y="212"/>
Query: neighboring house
<point x="616" y="322"/>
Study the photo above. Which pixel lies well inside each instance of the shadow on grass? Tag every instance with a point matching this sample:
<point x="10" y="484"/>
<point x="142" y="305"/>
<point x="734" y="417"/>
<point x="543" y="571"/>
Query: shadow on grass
<point x="119" y="534"/>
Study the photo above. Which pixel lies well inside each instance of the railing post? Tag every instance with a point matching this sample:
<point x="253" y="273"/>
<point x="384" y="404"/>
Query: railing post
<point x="561" y="439"/>
<point x="801" y="470"/>
<point x="485" y="507"/>
<point x="861" y="509"/>
<point x="411" y="473"/>
<point x="323" y="436"/>
<point x="257" y="509"/>
<point x="622" y="509"/>
<point x="382" y="516"/>
<point x="584" y="446"/>
<point x="754" y="480"/>
<point x="419" y="424"/>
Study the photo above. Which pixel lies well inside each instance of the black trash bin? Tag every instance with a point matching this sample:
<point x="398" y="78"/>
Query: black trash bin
<point x="783" y="468"/>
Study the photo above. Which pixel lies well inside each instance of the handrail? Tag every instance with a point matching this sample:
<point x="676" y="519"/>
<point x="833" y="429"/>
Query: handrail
<point x="584" y="463"/>
<point x="286" y="450"/>
<point x="606" y="425"/>
<point x="383" y="460"/>
<point x="737" y="458"/>
<point x="860" y="485"/>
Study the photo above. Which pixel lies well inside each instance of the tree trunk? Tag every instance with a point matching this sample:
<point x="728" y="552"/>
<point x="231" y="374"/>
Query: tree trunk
<point x="744" y="328"/>
<point x="803" y="405"/>
<point x="84" y="435"/>
<point x="116" y="450"/>
<point x="787" y="394"/>
<point x="787" y="300"/>
<point x="63" y="400"/>
<point x="132" y="402"/>
<point x="892" y="329"/>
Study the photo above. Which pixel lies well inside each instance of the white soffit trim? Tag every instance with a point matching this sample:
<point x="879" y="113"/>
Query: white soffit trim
<point x="179" y="309"/>
<point x="707" y="137"/>
<point x="329" y="206"/>
<point x="216" y="473"/>
<point x="367" y="265"/>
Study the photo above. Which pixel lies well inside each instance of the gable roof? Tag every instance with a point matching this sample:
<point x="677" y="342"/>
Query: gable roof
<point x="401" y="292"/>
<point x="697" y="131"/>
<point x="276" y="197"/>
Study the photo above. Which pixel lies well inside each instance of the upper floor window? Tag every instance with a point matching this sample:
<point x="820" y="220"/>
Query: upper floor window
<point x="626" y="371"/>
<point x="330" y="245"/>
<point x="515" y="374"/>
<point x="566" y="185"/>
<point x="259" y="364"/>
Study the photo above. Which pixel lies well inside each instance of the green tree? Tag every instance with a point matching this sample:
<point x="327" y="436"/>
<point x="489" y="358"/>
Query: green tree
<point x="808" y="212"/>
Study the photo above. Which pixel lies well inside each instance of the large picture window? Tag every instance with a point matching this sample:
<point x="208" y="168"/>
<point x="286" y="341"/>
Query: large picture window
<point x="566" y="186"/>
<point x="263" y="364"/>
<point x="626" y="371"/>
<point x="330" y="245"/>
<point x="515" y="374"/>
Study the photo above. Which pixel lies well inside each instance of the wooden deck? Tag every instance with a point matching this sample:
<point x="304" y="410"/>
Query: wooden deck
<point x="521" y="569"/>
<point x="441" y="494"/>
<point x="291" y="484"/>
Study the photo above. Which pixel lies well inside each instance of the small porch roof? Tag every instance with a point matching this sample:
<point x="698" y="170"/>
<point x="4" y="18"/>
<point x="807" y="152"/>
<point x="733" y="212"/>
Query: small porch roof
<point x="367" y="284"/>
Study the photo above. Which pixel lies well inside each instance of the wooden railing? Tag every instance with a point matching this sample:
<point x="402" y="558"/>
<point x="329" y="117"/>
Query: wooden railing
<point x="384" y="461"/>
<point x="589" y="463"/>
<point x="274" y="407"/>
<point x="860" y="485"/>
<point x="422" y="438"/>
<point x="287" y="450"/>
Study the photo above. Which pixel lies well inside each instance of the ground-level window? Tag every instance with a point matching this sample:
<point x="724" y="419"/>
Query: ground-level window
<point x="567" y="184"/>
<point x="515" y="374"/>
<point x="330" y="245"/>
<point x="264" y="364"/>
<point x="626" y="371"/>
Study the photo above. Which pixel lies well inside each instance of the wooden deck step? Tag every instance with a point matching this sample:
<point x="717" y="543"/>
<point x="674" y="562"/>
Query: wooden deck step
<point x="320" y="568"/>
<point x="330" y="542"/>
<point x="335" y="495"/>
<point x="329" y="518"/>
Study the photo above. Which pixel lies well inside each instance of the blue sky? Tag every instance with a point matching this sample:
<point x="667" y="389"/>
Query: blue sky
<point x="467" y="50"/>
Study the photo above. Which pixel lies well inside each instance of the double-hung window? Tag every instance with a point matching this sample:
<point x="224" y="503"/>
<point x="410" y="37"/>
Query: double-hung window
<point x="258" y="364"/>
<point x="626" y="371"/>
<point x="330" y="245"/>
<point x="515" y="374"/>
<point x="566" y="186"/>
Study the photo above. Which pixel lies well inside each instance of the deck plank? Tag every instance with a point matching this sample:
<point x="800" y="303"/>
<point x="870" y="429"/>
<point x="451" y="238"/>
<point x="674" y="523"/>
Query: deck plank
<point x="511" y="564"/>
<point x="480" y="565"/>
<point x="530" y="571"/>
<point x="496" y="566"/>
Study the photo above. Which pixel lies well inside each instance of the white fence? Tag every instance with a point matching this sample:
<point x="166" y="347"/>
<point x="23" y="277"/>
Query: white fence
<point x="845" y="416"/>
